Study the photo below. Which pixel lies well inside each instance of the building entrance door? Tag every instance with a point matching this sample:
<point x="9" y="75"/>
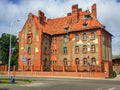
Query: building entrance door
<point x="46" y="65"/>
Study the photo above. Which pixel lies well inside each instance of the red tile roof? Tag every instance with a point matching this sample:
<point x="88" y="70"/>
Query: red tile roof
<point x="74" y="21"/>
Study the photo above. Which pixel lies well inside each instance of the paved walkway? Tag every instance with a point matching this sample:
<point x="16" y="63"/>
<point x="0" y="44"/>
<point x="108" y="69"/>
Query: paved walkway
<point x="116" y="78"/>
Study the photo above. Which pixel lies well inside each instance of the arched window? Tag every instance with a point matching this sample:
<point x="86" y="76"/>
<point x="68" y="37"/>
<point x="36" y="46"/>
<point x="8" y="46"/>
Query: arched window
<point x="85" y="61"/>
<point x="29" y="50"/>
<point x="93" y="61"/>
<point x="76" y="49"/>
<point x="92" y="48"/>
<point x="76" y="37"/>
<point x="92" y="35"/>
<point x="84" y="36"/>
<point x="77" y="61"/>
<point x="29" y="39"/>
<point x="65" y="62"/>
<point x="84" y="49"/>
<point x="65" y="50"/>
<point x="65" y="39"/>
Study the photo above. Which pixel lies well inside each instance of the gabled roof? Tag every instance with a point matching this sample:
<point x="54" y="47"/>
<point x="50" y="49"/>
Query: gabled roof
<point x="75" y="21"/>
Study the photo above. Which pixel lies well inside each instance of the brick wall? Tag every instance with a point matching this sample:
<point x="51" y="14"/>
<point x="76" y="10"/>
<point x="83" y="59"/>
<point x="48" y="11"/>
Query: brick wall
<point x="69" y="74"/>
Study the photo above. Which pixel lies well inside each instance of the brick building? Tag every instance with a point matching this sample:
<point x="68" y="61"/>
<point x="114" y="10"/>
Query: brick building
<point x="76" y="41"/>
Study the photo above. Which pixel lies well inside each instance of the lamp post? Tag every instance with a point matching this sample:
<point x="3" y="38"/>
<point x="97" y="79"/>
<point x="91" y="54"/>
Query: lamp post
<point x="10" y="47"/>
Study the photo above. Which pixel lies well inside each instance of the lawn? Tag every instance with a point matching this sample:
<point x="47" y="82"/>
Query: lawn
<point x="17" y="81"/>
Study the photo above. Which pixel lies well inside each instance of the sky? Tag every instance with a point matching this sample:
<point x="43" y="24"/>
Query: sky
<point x="108" y="13"/>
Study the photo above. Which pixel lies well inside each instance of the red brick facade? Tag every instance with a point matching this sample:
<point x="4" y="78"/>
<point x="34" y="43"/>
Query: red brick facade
<point x="77" y="42"/>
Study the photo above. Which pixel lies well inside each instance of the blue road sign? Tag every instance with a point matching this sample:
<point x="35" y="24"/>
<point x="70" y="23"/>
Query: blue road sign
<point x="88" y="63"/>
<point x="24" y="59"/>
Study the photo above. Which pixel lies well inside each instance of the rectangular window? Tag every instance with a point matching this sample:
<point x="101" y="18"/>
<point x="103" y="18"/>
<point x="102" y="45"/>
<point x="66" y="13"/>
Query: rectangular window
<point x="29" y="50"/>
<point x="65" y="50"/>
<point x="76" y="49"/>
<point x="65" y="39"/>
<point x="84" y="49"/>
<point x="76" y="37"/>
<point x="93" y="48"/>
<point x="29" y="39"/>
<point x="84" y="36"/>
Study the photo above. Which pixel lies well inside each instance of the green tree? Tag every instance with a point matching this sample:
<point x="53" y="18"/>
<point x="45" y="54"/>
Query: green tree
<point x="4" y="49"/>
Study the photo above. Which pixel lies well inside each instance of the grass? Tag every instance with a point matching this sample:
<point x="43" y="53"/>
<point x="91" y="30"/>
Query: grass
<point x="7" y="81"/>
<point x="118" y="73"/>
<point x="4" y="82"/>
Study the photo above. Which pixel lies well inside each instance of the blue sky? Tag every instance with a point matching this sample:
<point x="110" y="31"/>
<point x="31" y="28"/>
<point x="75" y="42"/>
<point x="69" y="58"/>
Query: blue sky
<point x="108" y="13"/>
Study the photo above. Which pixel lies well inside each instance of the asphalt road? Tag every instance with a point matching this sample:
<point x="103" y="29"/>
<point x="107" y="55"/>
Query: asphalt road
<point x="52" y="83"/>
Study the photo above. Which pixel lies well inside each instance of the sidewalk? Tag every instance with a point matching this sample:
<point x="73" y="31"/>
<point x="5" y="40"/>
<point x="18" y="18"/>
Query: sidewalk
<point x="117" y="77"/>
<point x="18" y="76"/>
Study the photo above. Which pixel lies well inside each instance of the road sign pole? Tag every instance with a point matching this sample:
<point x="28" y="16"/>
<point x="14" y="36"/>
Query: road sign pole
<point x="24" y="60"/>
<point x="88" y="65"/>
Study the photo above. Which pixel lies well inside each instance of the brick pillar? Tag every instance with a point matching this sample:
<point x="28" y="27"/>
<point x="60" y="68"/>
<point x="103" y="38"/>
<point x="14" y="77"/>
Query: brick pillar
<point x="41" y="68"/>
<point x="76" y="68"/>
<point x="23" y="68"/>
<point x="52" y="68"/>
<point x="5" y="67"/>
<point x="31" y="67"/>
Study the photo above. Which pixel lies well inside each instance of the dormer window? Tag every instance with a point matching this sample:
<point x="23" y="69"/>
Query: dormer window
<point x="85" y="24"/>
<point x="88" y="16"/>
<point x="66" y="29"/>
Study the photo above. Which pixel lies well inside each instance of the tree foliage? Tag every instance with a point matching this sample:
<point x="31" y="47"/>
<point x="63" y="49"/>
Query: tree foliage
<point x="4" y="49"/>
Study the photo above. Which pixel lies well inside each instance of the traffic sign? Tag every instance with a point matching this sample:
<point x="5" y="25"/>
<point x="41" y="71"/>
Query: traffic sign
<point x="88" y="63"/>
<point x="24" y="59"/>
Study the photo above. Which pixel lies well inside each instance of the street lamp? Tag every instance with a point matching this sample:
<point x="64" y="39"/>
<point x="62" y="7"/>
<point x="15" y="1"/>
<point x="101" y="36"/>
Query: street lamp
<point x="10" y="47"/>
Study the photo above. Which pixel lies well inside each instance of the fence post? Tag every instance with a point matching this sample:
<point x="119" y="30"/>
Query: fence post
<point x="63" y="69"/>
<point x="52" y="68"/>
<point x="76" y="68"/>
<point x="41" y="68"/>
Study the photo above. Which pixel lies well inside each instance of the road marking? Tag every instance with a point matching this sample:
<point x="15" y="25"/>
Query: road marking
<point x="111" y="88"/>
<point x="99" y="89"/>
<point x="34" y="84"/>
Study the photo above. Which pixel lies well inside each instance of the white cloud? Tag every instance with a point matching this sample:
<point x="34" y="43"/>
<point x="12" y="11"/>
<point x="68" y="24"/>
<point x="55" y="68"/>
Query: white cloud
<point x="107" y="12"/>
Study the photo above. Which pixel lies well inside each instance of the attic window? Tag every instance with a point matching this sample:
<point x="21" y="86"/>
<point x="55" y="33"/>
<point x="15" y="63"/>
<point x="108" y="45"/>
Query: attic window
<point x="85" y="24"/>
<point x="66" y="29"/>
<point x="88" y="16"/>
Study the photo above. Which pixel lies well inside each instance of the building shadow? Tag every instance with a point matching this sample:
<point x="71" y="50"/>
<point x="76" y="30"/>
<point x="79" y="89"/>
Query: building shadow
<point x="3" y="89"/>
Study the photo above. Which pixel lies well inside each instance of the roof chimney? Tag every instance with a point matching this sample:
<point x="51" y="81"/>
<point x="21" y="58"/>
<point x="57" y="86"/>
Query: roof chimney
<point x="75" y="8"/>
<point x="94" y="10"/>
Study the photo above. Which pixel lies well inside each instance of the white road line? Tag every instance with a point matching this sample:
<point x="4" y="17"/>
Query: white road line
<point x="34" y="84"/>
<point x="99" y="89"/>
<point x="111" y="88"/>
